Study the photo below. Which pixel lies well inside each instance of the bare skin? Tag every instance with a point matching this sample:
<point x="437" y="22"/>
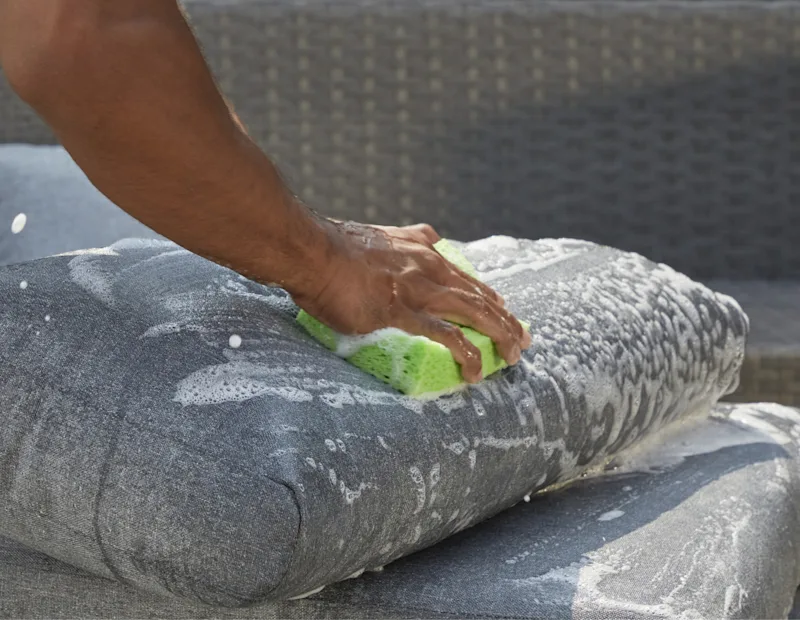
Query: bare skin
<point x="125" y="88"/>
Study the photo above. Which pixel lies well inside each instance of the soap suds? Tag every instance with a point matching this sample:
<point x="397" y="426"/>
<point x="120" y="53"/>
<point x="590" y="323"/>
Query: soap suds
<point x="347" y="346"/>
<point x="692" y="437"/>
<point x="456" y="447"/>
<point x="419" y="486"/>
<point x="495" y="243"/>
<point x="90" y="252"/>
<point x="238" y="381"/>
<point x="499" y="274"/>
<point x="162" y="330"/>
<point x="18" y="223"/>
<point x="507" y="443"/>
<point x="307" y="594"/>
<point x="87" y="272"/>
<point x="138" y="243"/>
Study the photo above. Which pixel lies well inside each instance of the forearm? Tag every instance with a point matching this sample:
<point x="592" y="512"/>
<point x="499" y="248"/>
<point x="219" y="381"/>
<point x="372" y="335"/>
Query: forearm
<point x="127" y="92"/>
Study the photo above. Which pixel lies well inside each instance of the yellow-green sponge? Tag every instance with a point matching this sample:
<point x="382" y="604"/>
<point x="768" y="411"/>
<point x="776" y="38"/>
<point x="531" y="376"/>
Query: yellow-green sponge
<point x="411" y="364"/>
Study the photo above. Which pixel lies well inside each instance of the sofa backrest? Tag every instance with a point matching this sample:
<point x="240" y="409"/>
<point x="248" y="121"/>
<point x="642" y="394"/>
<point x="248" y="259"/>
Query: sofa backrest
<point x="667" y="128"/>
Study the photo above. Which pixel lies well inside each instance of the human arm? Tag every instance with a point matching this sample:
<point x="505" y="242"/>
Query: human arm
<point x="126" y="90"/>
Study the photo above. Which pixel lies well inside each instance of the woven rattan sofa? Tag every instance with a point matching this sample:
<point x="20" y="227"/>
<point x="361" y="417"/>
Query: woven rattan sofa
<point x="667" y="128"/>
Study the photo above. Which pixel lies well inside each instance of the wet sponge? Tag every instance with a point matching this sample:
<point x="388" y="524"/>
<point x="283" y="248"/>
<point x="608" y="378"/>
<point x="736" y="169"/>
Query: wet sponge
<point x="411" y="364"/>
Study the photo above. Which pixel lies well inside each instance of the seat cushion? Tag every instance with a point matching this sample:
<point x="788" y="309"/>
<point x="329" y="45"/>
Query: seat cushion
<point x="137" y="445"/>
<point x="700" y="523"/>
<point x="64" y="211"/>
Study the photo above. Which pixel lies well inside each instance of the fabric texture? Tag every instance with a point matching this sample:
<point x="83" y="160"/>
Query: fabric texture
<point x="138" y="446"/>
<point x="697" y="524"/>
<point x="64" y="210"/>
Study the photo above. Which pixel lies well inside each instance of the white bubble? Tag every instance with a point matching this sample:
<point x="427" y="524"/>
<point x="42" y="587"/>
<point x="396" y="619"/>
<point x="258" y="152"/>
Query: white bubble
<point x="611" y="515"/>
<point x="235" y="341"/>
<point x="23" y="285"/>
<point x="46" y="318"/>
<point x="19" y="223"/>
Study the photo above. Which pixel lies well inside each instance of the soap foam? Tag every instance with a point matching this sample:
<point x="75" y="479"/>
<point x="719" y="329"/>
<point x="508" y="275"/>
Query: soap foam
<point x="347" y="346"/>
<point x="18" y="223"/>
<point x="239" y="381"/>
<point x="87" y="272"/>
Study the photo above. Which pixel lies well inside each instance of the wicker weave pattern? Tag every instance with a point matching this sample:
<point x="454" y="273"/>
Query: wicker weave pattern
<point x="769" y="377"/>
<point x="668" y="129"/>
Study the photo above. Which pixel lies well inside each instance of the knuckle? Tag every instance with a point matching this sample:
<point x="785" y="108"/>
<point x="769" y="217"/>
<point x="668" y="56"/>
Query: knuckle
<point x="451" y="332"/>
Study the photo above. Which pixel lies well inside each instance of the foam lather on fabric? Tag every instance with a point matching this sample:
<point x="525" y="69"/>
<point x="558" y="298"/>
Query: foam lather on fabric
<point x="413" y="365"/>
<point x="141" y="442"/>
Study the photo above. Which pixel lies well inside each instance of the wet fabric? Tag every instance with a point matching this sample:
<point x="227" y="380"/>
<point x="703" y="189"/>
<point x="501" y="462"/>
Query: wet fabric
<point x="138" y="446"/>
<point x="699" y="525"/>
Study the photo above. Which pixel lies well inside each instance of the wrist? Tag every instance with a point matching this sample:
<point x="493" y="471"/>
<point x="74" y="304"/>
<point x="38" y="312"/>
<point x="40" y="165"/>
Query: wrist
<point x="312" y="255"/>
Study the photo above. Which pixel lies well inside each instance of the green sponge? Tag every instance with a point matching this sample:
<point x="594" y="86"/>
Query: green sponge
<point x="413" y="365"/>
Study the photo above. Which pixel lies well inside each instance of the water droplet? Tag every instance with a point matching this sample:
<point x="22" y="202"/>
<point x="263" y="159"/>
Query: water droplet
<point x="19" y="223"/>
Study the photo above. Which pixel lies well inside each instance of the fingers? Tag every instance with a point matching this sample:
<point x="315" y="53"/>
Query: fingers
<point x="476" y="311"/>
<point x="485" y="289"/>
<point x="525" y="337"/>
<point x="464" y="352"/>
<point x="424" y="233"/>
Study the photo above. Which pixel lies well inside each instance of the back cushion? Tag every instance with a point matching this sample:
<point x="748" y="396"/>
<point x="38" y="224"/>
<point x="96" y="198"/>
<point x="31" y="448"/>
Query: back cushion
<point x="135" y="443"/>
<point x="63" y="209"/>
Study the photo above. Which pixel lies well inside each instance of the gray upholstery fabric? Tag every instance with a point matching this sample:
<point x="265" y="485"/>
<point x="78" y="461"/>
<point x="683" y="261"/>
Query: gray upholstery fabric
<point x="698" y="524"/>
<point x="136" y="445"/>
<point x="666" y="128"/>
<point x="64" y="210"/>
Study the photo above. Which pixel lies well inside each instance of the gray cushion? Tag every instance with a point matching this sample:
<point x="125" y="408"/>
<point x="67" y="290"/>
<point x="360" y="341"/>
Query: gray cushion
<point x="702" y="524"/>
<point x="136" y="445"/>
<point x="64" y="210"/>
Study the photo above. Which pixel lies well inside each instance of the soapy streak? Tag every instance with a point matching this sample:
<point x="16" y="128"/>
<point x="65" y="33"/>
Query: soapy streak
<point x="693" y="437"/>
<point x="239" y="381"/>
<point x="498" y="274"/>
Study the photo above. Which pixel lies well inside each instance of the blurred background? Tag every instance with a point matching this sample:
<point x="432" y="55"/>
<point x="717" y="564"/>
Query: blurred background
<point x="667" y="128"/>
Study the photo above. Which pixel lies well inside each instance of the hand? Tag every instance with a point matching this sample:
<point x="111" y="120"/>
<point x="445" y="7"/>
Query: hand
<point x="375" y="277"/>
